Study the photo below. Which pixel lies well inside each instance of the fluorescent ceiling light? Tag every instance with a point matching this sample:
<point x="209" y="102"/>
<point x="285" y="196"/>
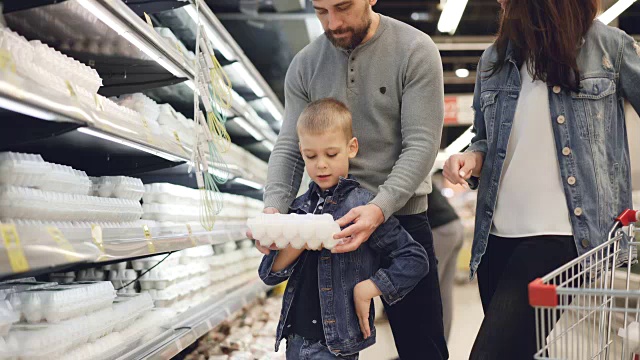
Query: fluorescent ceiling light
<point x="218" y="43"/>
<point x="249" y="80"/>
<point x="615" y="10"/>
<point x="244" y="124"/>
<point x="249" y="183"/>
<point x="272" y="109"/>
<point x="219" y="173"/>
<point x="451" y="15"/>
<point x="130" y="144"/>
<point x="462" y="73"/>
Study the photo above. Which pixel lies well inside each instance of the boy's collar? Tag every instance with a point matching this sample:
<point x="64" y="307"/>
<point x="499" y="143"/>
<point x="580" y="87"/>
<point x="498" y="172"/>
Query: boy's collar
<point x="344" y="185"/>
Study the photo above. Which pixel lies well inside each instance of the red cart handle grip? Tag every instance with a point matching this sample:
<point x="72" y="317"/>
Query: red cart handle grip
<point x="628" y="217"/>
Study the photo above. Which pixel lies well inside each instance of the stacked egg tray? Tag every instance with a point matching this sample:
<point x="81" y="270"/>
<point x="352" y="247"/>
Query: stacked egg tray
<point x="58" y="320"/>
<point x="282" y="230"/>
<point x="33" y="189"/>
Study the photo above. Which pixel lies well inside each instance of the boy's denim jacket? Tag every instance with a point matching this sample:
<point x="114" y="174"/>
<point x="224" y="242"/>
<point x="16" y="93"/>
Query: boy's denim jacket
<point x="338" y="274"/>
<point x="588" y="127"/>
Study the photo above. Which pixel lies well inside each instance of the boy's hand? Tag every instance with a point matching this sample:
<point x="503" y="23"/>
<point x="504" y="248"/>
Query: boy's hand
<point x="263" y="249"/>
<point x="365" y="219"/>
<point x="362" y="295"/>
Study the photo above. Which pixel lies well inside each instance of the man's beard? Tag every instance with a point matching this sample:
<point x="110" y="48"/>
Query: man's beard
<point x="349" y="43"/>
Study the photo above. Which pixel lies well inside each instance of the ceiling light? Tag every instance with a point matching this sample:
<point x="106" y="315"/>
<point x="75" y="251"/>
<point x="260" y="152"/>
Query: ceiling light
<point x="615" y="10"/>
<point x="451" y="15"/>
<point x="462" y="73"/>
<point x="248" y="183"/>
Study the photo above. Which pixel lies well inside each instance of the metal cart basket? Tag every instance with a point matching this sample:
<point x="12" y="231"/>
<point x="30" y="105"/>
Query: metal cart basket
<point x="590" y="307"/>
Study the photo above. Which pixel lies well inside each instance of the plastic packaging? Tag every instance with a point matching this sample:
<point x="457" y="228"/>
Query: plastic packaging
<point x="65" y="179"/>
<point x="26" y="170"/>
<point x="26" y="203"/>
<point x="10" y="287"/>
<point x="8" y="317"/>
<point x="315" y="231"/>
<point x="62" y="302"/>
<point x="121" y="187"/>
<point x="130" y="308"/>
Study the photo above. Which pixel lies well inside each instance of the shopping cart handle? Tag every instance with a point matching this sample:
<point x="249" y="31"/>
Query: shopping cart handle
<point x="628" y="217"/>
<point x="542" y="295"/>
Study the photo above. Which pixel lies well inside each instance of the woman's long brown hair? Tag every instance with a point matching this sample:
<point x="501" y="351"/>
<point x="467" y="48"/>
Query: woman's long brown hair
<point x="546" y="34"/>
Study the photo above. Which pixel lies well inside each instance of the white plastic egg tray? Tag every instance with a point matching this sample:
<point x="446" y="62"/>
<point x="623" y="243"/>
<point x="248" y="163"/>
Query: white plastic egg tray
<point x="162" y="277"/>
<point x="282" y="230"/>
<point x="26" y="203"/>
<point x="29" y="170"/>
<point x="129" y="308"/>
<point x="10" y="287"/>
<point x="121" y="187"/>
<point x="63" y="302"/>
<point x="120" y="279"/>
<point x="8" y="317"/>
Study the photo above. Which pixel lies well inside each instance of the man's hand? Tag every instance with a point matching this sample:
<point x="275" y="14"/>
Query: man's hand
<point x="365" y="219"/>
<point x="263" y="249"/>
<point x="460" y="167"/>
<point x="362" y="295"/>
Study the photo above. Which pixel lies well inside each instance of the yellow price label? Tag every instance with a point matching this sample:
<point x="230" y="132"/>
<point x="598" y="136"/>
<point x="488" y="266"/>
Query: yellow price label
<point x="62" y="242"/>
<point x="147" y="235"/>
<point x="175" y="135"/>
<point x="17" y="260"/>
<point x="6" y="61"/>
<point x="148" y="19"/>
<point x="190" y="232"/>
<point x="72" y="91"/>
<point x="96" y="236"/>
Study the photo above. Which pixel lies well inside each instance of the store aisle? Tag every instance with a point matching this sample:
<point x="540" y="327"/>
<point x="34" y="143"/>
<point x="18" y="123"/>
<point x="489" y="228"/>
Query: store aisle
<point x="466" y="322"/>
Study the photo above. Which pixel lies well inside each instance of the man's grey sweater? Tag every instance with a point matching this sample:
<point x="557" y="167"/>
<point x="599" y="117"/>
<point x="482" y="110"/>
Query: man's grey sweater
<point x="394" y="88"/>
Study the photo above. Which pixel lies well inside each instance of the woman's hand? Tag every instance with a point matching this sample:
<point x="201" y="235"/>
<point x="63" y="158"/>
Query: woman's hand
<point x="362" y="295"/>
<point x="460" y="167"/>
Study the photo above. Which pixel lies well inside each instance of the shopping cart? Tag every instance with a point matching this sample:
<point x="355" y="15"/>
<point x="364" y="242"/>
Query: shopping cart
<point x="590" y="307"/>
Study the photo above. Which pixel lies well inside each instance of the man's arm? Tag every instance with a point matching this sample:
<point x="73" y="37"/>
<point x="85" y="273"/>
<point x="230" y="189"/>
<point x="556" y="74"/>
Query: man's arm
<point x="422" y="117"/>
<point x="285" y="163"/>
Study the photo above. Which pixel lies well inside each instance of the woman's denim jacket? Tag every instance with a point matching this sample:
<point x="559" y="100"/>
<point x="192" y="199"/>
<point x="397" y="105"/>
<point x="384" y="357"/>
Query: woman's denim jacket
<point x="588" y="127"/>
<point x="338" y="274"/>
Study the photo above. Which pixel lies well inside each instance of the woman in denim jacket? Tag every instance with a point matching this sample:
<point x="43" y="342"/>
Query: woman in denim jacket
<point x="550" y="155"/>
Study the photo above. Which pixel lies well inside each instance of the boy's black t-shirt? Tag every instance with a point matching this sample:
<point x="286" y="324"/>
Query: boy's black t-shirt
<point x="305" y="314"/>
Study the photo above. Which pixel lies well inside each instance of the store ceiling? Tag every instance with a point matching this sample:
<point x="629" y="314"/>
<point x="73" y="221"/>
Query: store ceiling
<point x="271" y="32"/>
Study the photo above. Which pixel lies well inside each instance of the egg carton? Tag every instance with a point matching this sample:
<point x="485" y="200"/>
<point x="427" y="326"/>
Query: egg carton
<point x="26" y="170"/>
<point x="151" y="261"/>
<point x="121" y="187"/>
<point x="63" y="278"/>
<point x="165" y="212"/>
<point x="8" y="317"/>
<point x="120" y="279"/>
<point x="163" y="193"/>
<point x="91" y="275"/>
<point x="20" y="285"/>
<point x="199" y="252"/>
<point x="314" y="231"/>
<point x="68" y="68"/>
<point x="65" y="179"/>
<point x="130" y="308"/>
<point x="26" y="203"/>
<point x="140" y="103"/>
<point x="63" y="301"/>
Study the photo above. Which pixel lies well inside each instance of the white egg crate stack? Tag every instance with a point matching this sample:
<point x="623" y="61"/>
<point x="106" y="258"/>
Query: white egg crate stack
<point x="8" y="317"/>
<point x="63" y="301"/>
<point x="121" y="187"/>
<point x="88" y="334"/>
<point x="174" y="203"/>
<point x="282" y="230"/>
<point x="50" y="68"/>
<point x="249" y="163"/>
<point x="33" y="189"/>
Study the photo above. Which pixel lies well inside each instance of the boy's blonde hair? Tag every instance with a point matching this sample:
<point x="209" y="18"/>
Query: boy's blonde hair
<point x="324" y="115"/>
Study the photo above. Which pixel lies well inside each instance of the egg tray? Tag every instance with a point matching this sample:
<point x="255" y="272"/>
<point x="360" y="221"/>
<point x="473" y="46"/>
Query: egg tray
<point x="63" y="301"/>
<point x="26" y="203"/>
<point x="298" y="231"/>
<point x="121" y="187"/>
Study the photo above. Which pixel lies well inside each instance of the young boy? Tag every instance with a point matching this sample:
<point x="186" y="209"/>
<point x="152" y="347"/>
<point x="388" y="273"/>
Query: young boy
<point x="326" y="310"/>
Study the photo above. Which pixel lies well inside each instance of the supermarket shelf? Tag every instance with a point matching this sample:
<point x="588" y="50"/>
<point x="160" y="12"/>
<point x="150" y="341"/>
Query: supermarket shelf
<point x="43" y="249"/>
<point x="197" y="322"/>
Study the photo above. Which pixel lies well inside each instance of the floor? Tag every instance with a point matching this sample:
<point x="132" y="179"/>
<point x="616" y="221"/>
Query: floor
<point x="467" y="318"/>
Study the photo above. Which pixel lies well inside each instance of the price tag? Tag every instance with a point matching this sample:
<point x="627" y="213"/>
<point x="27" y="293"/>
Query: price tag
<point x="96" y="236"/>
<point x="6" y="61"/>
<point x="62" y="242"/>
<point x="17" y="260"/>
<point x="190" y="232"/>
<point x="99" y="104"/>
<point x="72" y="91"/>
<point x="148" y="19"/>
<point x="147" y="235"/>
